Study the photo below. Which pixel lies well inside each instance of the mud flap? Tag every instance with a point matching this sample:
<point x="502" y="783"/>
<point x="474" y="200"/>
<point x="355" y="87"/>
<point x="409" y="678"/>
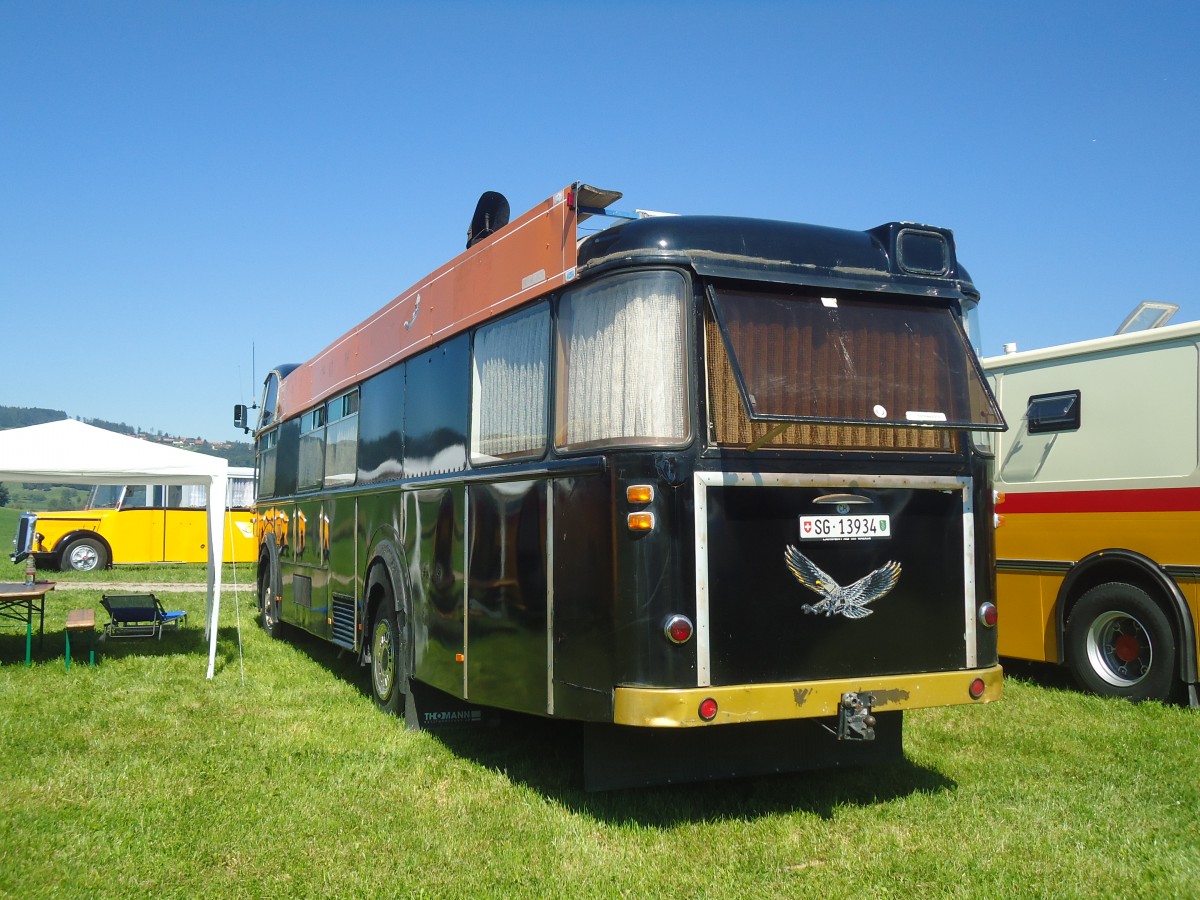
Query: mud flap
<point x="428" y="708"/>
<point x="620" y="756"/>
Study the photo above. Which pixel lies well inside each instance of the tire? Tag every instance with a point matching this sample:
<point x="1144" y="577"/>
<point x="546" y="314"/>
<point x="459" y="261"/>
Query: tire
<point x="268" y="606"/>
<point x="84" y="555"/>
<point x="388" y="662"/>
<point x="1119" y="643"/>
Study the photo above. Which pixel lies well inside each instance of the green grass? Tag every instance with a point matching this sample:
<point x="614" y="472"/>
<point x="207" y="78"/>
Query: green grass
<point x="279" y="779"/>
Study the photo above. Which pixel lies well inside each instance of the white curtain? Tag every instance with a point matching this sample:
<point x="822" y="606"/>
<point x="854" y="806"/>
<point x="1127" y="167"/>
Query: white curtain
<point x="240" y="494"/>
<point x="511" y="360"/>
<point x="623" y="342"/>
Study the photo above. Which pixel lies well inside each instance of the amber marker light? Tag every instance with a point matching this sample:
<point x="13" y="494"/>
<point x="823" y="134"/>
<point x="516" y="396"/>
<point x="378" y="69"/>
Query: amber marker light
<point x="639" y="493"/>
<point x="708" y="709"/>
<point x="977" y="688"/>
<point x="641" y="521"/>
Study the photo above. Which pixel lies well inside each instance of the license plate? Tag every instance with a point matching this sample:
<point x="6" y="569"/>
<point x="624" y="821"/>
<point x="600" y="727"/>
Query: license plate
<point x="844" y="528"/>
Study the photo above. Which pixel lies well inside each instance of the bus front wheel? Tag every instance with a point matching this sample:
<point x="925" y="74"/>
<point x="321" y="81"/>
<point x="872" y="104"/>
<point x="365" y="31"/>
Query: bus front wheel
<point x="84" y="555"/>
<point x="268" y="607"/>
<point x="389" y="670"/>
<point x="1119" y="643"/>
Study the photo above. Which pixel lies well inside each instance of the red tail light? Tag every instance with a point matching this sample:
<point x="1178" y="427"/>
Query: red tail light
<point x="678" y="629"/>
<point x="988" y="614"/>
<point x="708" y="709"/>
<point x="977" y="688"/>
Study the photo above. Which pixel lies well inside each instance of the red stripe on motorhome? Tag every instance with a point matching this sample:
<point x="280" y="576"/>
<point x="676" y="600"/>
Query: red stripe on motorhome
<point x="1115" y="501"/>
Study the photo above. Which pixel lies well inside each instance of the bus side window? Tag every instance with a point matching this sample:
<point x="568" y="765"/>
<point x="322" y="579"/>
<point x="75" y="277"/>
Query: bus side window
<point x="510" y="364"/>
<point x="341" y="440"/>
<point x="312" y="449"/>
<point x="1048" y="413"/>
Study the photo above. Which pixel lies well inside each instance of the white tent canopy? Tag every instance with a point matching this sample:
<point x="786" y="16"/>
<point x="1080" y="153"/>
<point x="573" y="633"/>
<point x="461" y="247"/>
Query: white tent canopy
<point x="70" y="452"/>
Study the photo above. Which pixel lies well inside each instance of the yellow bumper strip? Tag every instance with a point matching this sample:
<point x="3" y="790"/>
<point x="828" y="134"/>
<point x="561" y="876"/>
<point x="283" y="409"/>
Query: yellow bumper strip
<point x="665" y="708"/>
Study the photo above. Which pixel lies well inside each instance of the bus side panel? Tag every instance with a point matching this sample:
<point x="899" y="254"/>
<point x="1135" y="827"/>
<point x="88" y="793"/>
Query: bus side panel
<point x="310" y="575"/>
<point x="506" y="596"/>
<point x="240" y="543"/>
<point x="136" y="535"/>
<point x="1026" y="609"/>
<point x="657" y="572"/>
<point x="435" y="548"/>
<point x="341" y="551"/>
<point x="585" y="631"/>
<point x="436" y="413"/>
<point x="185" y="535"/>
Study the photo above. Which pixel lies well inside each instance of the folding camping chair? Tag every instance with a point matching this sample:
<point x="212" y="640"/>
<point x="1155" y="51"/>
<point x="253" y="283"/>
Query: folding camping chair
<point x="138" y="615"/>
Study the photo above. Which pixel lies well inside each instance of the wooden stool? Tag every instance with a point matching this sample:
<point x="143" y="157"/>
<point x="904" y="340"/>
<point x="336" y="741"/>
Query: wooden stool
<point x="84" y="622"/>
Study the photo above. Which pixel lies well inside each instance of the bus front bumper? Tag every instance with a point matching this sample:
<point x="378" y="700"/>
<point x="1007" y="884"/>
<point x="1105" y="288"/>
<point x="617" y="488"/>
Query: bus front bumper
<point x="680" y="708"/>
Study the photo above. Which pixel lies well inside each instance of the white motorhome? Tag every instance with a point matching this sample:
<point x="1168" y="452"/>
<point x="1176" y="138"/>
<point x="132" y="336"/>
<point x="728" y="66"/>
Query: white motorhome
<point x="1098" y="550"/>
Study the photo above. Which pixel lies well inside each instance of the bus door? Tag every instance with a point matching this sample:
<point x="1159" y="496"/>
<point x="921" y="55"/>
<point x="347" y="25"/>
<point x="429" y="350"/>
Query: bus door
<point x="139" y="528"/>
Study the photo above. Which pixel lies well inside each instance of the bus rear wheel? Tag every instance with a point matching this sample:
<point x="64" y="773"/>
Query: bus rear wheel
<point x="84" y="555"/>
<point x="1119" y="643"/>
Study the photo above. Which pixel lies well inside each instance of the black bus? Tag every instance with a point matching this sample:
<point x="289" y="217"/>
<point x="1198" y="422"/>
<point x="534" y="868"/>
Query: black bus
<point x="705" y="484"/>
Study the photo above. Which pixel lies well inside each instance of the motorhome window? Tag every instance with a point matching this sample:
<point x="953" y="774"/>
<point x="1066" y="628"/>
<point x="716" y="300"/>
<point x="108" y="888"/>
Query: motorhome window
<point x="312" y="450"/>
<point x="869" y="360"/>
<point x="267" y="459"/>
<point x="510" y="367"/>
<point x="622" y="366"/>
<point x="341" y="440"/>
<point x="1053" y="412"/>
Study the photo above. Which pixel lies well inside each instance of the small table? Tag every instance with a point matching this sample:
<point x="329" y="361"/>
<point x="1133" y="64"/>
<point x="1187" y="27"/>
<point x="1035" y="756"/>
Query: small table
<point x="18" y="602"/>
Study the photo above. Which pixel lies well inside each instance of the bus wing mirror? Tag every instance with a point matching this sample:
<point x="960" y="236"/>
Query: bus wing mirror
<point x="240" y="416"/>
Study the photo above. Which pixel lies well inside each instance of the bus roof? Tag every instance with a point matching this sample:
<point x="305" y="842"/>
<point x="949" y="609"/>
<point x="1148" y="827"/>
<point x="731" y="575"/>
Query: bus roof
<point x="1112" y="343"/>
<point x="540" y="252"/>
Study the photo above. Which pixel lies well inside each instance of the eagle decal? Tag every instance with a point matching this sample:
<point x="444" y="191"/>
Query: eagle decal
<point x="852" y="601"/>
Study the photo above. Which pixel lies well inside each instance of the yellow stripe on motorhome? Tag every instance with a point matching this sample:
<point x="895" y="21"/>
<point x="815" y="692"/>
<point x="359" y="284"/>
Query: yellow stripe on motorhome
<point x="1169" y="538"/>
<point x="664" y="708"/>
<point x="1036" y="550"/>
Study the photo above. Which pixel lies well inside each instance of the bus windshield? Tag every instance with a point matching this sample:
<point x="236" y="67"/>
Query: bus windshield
<point x="105" y="496"/>
<point x="849" y="359"/>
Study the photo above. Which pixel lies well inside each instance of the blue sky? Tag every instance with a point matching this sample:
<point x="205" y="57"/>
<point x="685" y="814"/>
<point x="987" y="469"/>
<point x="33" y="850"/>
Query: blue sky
<point x="193" y="192"/>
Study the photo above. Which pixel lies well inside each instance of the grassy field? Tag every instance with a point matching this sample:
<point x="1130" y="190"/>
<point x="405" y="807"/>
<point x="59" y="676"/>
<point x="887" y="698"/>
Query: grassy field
<point x="278" y="778"/>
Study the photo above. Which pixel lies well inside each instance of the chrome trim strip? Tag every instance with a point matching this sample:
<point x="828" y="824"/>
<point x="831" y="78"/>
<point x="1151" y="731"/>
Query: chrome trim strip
<point x="703" y="646"/>
<point x="466" y="599"/>
<point x="549" y="597"/>
<point x="704" y="480"/>
<point x="1045" y="566"/>
<point x="970" y="636"/>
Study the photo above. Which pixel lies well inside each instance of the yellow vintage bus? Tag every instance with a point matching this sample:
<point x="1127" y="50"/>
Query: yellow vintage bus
<point x="1097" y="558"/>
<point x="139" y="523"/>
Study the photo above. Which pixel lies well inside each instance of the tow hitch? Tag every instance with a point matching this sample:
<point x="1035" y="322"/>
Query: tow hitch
<point x="855" y="719"/>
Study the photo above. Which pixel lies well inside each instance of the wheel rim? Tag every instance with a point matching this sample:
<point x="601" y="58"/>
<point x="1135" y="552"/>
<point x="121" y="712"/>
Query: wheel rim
<point x="383" y="659"/>
<point x="1119" y="649"/>
<point x="83" y="558"/>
